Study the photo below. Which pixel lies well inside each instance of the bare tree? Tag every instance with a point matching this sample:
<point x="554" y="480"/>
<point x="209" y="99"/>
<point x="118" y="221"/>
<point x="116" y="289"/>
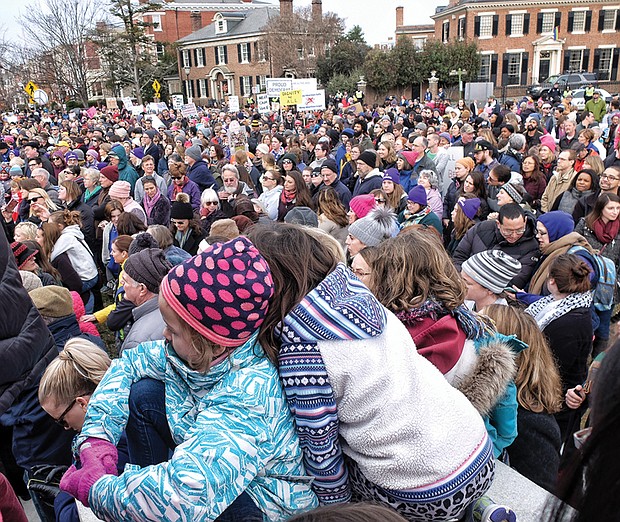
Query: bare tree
<point x="294" y="41"/>
<point x="59" y="32"/>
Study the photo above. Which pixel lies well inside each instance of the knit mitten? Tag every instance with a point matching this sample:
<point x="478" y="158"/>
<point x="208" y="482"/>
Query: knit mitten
<point x="99" y="457"/>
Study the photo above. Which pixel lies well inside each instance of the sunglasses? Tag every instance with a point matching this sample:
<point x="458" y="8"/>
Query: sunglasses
<point x="35" y="199"/>
<point x="287" y="161"/>
<point x="265" y="178"/>
<point x="211" y="202"/>
<point x="61" y="420"/>
<point x="178" y="221"/>
<point x="176" y="177"/>
<point x="379" y="200"/>
<point x="56" y="158"/>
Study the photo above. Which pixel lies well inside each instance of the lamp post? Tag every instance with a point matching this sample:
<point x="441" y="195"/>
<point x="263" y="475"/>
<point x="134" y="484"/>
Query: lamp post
<point x="460" y="73"/>
<point x="186" y="70"/>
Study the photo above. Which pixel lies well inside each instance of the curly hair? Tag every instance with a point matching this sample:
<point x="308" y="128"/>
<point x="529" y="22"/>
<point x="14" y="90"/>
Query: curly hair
<point x="413" y="267"/>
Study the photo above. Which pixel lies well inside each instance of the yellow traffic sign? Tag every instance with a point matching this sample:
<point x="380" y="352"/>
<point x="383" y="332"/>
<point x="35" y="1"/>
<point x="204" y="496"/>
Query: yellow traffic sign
<point x="30" y="88"/>
<point x="290" y="97"/>
<point x="156" y="86"/>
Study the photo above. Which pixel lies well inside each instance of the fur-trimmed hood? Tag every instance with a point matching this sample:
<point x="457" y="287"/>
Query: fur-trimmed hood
<point x="494" y="370"/>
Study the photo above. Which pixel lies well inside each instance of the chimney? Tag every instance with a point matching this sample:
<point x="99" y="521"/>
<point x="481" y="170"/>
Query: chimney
<point x="196" y="21"/>
<point x="399" y="16"/>
<point x="317" y="11"/>
<point x="286" y="8"/>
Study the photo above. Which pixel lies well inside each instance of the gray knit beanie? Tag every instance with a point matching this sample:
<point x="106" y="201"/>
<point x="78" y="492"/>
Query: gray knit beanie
<point x="194" y="152"/>
<point x="149" y="267"/>
<point x="378" y="225"/>
<point x="492" y="269"/>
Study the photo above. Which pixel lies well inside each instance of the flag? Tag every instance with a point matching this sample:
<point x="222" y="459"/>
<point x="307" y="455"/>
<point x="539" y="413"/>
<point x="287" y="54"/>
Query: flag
<point x="92" y="112"/>
<point x="555" y="33"/>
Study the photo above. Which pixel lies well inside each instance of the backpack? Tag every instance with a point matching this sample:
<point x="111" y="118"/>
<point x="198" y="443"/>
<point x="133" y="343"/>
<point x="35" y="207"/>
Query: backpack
<point x="605" y="272"/>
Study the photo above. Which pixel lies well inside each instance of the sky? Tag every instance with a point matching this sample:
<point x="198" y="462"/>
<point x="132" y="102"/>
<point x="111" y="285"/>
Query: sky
<point x="377" y="18"/>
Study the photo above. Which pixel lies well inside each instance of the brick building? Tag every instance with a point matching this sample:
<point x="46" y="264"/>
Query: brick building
<point x="418" y="33"/>
<point x="226" y="57"/>
<point x="525" y="41"/>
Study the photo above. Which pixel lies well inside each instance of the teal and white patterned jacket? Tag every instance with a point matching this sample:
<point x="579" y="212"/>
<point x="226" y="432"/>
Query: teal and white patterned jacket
<point x="234" y="433"/>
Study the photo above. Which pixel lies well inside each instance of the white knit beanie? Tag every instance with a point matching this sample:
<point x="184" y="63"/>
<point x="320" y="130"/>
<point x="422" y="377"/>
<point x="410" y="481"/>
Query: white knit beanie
<point x="492" y="269"/>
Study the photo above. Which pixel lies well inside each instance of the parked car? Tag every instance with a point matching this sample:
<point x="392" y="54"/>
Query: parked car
<point x="572" y="80"/>
<point x="580" y="102"/>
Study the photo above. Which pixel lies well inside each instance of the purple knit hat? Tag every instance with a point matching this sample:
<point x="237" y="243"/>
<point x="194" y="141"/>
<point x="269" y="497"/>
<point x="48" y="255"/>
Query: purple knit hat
<point x="469" y="206"/>
<point x="392" y="175"/>
<point x="222" y="293"/>
<point x="418" y="195"/>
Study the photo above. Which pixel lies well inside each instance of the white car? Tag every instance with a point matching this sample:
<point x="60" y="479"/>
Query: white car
<point x="580" y="102"/>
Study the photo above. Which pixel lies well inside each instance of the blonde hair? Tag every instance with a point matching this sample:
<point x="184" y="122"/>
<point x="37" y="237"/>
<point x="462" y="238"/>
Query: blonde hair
<point x="329" y="242"/>
<point x="539" y="386"/>
<point x="76" y="371"/>
<point x="418" y="268"/>
<point x="51" y="206"/>
<point x="28" y="228"/>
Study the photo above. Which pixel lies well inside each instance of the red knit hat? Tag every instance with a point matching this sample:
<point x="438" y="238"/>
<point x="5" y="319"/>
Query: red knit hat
<point x="23" y="253"/>
<point x="222" y="293"/>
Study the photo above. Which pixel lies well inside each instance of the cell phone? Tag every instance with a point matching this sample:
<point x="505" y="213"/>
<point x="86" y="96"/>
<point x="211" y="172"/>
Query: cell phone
<point x="510" y="290"/>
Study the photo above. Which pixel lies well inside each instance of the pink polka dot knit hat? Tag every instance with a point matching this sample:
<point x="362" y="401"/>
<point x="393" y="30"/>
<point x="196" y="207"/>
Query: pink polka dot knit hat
<point x="222" y="293"/>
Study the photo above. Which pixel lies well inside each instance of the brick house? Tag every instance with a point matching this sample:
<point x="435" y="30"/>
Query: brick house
<point x="525" y="41"/>
<point x="226" y="57"/>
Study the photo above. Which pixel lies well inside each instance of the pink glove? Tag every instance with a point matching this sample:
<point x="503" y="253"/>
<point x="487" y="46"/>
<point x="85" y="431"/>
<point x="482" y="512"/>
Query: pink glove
<point x="99" y="457"/>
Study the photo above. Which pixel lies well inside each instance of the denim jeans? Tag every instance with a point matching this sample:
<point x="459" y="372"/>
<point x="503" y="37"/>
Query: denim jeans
<point x="150" y="441"/>
<point x="602" y="331"/>
<point x="87" y="286"/>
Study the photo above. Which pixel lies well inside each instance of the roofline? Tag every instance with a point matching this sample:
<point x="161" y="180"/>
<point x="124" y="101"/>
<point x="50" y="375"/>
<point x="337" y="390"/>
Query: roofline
<point x="220" y="38"/>
<point x="546" y="4"/>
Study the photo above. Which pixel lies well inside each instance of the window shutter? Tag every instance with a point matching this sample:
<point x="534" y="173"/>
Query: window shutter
<point x="508" y="24"/>
<point x="614" y="64"/>
<point x="249" y="52"/>
<point x="464" y="27"/>
<point x="225" y="54"/>
<point x="601" y="20"/>
<point x="505" y="69"/>
<point x="558" y="19"/>
<point x="526" y="23"/>
<point x="539" y="23"/>
<point x="494" y="68"/>
<point x="617" y="20"/>
<point x="241" y="86"/>
<point x="217" y="56"/>
<point x="448" y="32"/>
<point x="524" y="64"/>
<point x="588" y="21"/>
<point x="585" y="63"/>
<point x="566" y="61"/>
<point x="239" y="53"/>
<point x="477" y="26"/>
<point x="196" y="57"/>
<point x="571" y="20"/>
<point x="495" y="24"/>
<point x="597" y="61"/>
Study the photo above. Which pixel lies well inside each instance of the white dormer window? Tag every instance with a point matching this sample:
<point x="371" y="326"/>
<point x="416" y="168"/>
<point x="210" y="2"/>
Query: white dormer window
<point x="220" y="24"/>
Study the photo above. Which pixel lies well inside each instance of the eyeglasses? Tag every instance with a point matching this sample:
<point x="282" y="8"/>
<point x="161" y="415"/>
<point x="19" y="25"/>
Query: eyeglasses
<point x="265" y="178"/>
<point x="61" y="420"/>
<point x="607" y="176"/>
<point x="541" y="233"/>
<point x="211" y="202"/>
<point x="35" y="199"/>
<point x="56" y="158"/>
<point x="506" y="232"/>
<point x="176" y="177"/>
<point x="359" y="272"/>
<point x="379" y="200"/>
<point x="33" y="164"/>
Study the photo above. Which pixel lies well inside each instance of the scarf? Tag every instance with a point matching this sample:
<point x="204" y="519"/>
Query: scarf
<point x="288" y="197"/>
<point x="339" y="308"/>
<point x="550" y="252"/>
<point x="89" y="194"/>
<point x="606" y="232"/>
<point x="182" y="237"/>
<point x="548" y="309"/>
<point x="412" y="219"/>
<point x="176" y="189"/>
<point x="473" y="325"/>
<point x="149" y="203"/>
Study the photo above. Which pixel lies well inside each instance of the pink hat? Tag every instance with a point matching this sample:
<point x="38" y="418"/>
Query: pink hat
<point x="362" y="204"/>
<point x="548" y="141"/>
<point x="410" y="155"/>
<point x="120" y="189"/>
<point x="222" y="293"/>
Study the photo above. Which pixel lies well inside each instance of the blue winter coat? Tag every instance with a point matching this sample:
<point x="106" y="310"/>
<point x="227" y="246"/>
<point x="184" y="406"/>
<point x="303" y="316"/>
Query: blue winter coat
<point x="200" y="174"/>
<point x="234" y="433"/>
<point x="126" y="172"/>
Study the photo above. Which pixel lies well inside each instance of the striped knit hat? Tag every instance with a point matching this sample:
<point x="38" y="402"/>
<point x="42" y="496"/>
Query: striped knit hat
<point x="492" y="269"/>
<point x="222" y="293"/>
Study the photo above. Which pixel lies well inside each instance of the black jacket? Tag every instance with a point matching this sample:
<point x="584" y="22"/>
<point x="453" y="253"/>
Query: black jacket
<point x="486" y="236"/>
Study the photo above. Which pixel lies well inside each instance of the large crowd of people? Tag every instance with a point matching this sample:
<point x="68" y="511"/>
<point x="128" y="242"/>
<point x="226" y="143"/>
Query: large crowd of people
<point x="309" y="309"/>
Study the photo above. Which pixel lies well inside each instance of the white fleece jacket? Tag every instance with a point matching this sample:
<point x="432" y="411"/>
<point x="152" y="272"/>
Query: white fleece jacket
<point x="71" y="241"/>
<point x="406" y="431"/>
